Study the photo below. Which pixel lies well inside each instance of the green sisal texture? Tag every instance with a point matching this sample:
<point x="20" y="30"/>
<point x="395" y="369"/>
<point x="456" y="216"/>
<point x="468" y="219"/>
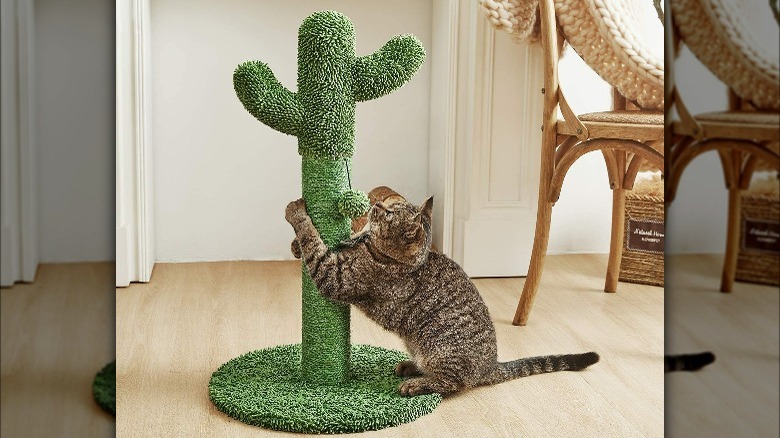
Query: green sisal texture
<point x="264" y="388"/>
<point x="321" y="114"/>
<point x="353" y="203"/>
<point x="325" y="336"/>
<point x="331" y="79"/>
<point x="104" y="388"/>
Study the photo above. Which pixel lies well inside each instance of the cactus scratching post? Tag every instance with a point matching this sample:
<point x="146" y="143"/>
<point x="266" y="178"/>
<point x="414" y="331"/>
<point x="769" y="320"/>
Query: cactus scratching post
<point x="323" y="385"/>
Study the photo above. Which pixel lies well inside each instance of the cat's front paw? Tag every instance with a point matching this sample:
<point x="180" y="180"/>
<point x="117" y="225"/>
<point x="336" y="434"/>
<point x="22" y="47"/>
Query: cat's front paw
<point x="295" y="212"/>
<point x="295" y="248"/>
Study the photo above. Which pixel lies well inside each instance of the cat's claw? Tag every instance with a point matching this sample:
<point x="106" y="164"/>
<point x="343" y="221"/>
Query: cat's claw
<point x="295" y="211"/>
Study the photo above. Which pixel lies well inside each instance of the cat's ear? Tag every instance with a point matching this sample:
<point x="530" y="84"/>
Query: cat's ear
<point x="427" y="208"/>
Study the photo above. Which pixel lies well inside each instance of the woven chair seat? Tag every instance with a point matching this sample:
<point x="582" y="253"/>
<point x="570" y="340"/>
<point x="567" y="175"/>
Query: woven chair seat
<point x="749" y="117"/>
<point x="626" y="116"/>
<point x="758" y="126"/>
<point x="609" y="35"/>
<point x="634" y="125"/>
<point x="737" y="40"/>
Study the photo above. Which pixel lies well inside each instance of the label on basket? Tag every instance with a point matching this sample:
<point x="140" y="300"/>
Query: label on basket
<point x="645" y="236"/>
<point x="758" y="235"/>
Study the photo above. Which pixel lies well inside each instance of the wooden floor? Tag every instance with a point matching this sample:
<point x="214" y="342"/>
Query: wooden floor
<point x="738" y="394"/>
<point x="56" y="334"/>
<point x="173" y="332"/>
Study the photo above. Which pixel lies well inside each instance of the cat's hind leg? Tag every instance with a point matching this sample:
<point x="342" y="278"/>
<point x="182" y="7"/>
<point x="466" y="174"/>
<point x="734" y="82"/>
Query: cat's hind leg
<point x="429" y="385"/>
<point x="444" y="372"/>
<point x="407" y="368"/>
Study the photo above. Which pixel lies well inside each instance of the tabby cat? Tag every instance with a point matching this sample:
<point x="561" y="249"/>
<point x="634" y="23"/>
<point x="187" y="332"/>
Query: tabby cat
<point x="389" y="273"/>
<point x="687" y="362"/>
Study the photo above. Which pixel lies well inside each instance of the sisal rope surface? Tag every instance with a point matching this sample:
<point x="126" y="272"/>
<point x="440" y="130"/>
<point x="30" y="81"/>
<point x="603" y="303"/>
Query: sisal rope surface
<point x="737" y="40"/>
<point x="325" y="328"/>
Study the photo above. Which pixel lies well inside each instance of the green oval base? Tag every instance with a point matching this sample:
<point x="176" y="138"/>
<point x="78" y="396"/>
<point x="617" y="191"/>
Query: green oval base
<point x="104" y="388"/>
<point x="263" y="388"/>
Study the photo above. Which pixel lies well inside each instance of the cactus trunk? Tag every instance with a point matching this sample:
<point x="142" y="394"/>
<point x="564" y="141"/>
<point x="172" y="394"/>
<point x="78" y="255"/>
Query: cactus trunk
<point x="325" y="330"/>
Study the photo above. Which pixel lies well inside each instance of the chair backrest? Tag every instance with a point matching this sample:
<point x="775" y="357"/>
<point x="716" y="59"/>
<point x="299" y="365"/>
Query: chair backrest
<point x="611" y="36"/>
<point x="737" y="40"/>
<point x="621" y="40"/>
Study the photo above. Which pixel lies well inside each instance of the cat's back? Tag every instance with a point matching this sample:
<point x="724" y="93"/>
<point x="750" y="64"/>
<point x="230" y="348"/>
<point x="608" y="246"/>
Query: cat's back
<point x="440" y="264"/>
<point x="448" y="284"/>
<point x="447" y="311"/>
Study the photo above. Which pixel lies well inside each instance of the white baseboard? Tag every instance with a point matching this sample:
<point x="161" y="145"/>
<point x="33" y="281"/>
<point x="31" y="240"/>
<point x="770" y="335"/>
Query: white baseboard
<point x="122" y="262"/>
<point x="7" y="278"/>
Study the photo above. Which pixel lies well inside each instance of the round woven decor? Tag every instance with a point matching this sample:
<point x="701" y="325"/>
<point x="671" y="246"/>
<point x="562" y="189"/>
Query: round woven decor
<point x="104" y="388"/>
<point x="263" y="388"/>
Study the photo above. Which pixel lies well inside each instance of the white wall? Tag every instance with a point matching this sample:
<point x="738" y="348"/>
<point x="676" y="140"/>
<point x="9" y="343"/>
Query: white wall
<point x="222" y="179"/>
<point x="696" y="220"/>
<point x="74" y="58"/>
<point x="582" y="217"/>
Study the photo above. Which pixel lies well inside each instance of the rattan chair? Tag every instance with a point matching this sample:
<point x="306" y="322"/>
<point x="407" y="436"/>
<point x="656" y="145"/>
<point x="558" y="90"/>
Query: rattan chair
<point x="629" y="136"/>
<point x="723" y="36"/>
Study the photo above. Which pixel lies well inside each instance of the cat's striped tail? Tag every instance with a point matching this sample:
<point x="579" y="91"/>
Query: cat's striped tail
<point x="541" y="364"/>
<point x="688" y="362"/>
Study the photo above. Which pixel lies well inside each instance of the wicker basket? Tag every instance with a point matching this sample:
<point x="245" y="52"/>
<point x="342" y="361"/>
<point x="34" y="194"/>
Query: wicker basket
<point x="643" y="243"/>
<point x="758" y="260"/>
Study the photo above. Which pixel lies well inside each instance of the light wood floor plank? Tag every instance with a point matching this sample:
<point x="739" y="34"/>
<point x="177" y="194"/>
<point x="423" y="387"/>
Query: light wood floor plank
<point x="175" y="331"/>
<point x="738" y="395"/>
<point x="57" y="332"/>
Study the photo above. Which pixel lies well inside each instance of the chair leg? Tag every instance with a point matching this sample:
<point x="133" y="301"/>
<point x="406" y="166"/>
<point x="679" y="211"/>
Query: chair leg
<point x="616" y="240"/>
<point x="538" y="253"/>
<point x="732" y="239"/>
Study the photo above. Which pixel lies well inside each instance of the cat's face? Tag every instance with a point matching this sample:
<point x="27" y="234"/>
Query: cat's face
<point x="402" y="230"/>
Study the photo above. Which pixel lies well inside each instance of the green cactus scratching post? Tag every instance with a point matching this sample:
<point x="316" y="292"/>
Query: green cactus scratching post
<point x="316" y="387"/>
<point x="104" y="388"/>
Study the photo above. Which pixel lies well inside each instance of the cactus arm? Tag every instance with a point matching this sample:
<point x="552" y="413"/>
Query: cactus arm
<point x="267" y="99"/>
<point x="388" y="68"/>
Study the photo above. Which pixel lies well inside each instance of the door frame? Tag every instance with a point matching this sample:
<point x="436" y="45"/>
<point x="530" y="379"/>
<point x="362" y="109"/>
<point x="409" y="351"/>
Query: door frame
<point x="19" y="221"/>
<point x="134" y="172"/>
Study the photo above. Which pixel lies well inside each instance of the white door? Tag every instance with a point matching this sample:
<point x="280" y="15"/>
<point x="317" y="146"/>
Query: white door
<point x="497" y="173"/>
